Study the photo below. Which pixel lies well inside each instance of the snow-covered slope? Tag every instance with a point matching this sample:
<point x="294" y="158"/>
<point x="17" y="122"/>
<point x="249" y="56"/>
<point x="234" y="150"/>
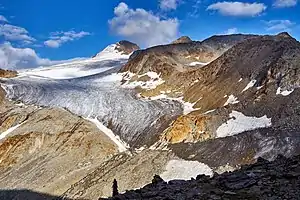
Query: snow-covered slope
<point x="92" y="88"/>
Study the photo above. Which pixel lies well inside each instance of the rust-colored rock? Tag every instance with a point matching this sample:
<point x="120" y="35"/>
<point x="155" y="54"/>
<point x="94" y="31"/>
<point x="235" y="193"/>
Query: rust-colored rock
<point x="8" y="73"/>
<point x="188" y="128"/>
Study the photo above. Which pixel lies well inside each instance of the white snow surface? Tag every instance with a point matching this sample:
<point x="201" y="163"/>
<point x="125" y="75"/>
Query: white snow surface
<point x="250" y="85"/>
<point x="154" y="81"/>
<point x="97" y="95"/>
<point x="8" y="131"/>
<point x="240" y="123"/>
<point x="185" y="170"/>
<point x="116" y="139"/>
<point x="110" y="52"/>
<point x="198" y="63"/>
<point x="284" y="92"/>
<point x="187" y="106"/>
<point x="231" y="100"/>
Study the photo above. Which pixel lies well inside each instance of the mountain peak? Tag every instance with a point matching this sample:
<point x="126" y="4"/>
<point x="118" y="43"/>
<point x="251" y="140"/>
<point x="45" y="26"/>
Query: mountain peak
<point x="126" y="47"/>
<point x="121" y="49"/>
<point x="284" y="35"/>
<point x="183" y="39"/>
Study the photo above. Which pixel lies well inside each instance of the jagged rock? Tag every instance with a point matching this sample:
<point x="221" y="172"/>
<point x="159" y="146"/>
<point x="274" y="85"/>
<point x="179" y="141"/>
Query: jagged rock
<point x="126" y="47"/>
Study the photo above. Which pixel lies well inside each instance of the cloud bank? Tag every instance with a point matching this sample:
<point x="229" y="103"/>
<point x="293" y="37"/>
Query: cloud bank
<point x="143" y="27"/>
<point x="238" y="9"/>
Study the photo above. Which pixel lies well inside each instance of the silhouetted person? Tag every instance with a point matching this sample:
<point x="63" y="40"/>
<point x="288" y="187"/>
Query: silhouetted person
<point x="115" y="188"/>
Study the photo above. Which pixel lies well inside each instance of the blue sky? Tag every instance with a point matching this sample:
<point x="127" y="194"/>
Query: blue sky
<point x="59" y="30"/>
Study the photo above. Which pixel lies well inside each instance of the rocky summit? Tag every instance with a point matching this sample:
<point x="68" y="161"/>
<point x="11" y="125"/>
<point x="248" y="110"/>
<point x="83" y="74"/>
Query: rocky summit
<point x="187" y="112"/>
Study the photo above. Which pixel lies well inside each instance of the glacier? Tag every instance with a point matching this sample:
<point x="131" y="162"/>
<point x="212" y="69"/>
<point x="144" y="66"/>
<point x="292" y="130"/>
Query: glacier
<point x="93" y="89"/>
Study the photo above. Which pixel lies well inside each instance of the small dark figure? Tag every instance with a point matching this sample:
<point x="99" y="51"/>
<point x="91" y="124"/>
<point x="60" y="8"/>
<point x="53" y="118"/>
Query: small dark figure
<point x="157" y="179"/>
<point x="115" y="188"/>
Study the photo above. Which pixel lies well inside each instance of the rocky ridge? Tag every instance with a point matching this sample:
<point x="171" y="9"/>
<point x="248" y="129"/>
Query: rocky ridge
<point x="279" y="179"/>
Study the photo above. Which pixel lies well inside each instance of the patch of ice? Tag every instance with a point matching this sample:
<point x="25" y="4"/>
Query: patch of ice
<point x="139" y="150"/>
<point x="198" y="63"/>
<point x="250" y="85"/>
<point x="187" y="106"/>
<point x="284" y="93"/>
<point x="267" y="146"/>
<point x="240" y="123"/>
<point x="231" y="100"/>
<point x="209" y="111"/>
<point x="116" y="139"/>
<point x="185" y="170"/>
<point x="62" y="72"/>
<point x="110" y="52"/>
<point x="154" y="81"/>
<point x="8" y="131"/>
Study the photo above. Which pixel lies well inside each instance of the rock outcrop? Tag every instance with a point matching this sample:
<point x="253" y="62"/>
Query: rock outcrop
<point x="126" y="47"/>
<point x="7" y="73"/>
<point x="183" y="39"/>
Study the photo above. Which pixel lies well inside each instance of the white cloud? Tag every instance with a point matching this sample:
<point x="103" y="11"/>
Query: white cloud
<point x="143" y="27"/>
<point x="15" y="33"/>
<point x="279" y="25"/>
<point x="21" y="58"/>
<point x="285" y="3"/>
<point x="169" y="4"/>
<point x="3" y="19"/>
<point x="231" y="31"/>
<point x="196" y="8"/>
<point x="58" y="38"/>
<point x="238" y="9"/>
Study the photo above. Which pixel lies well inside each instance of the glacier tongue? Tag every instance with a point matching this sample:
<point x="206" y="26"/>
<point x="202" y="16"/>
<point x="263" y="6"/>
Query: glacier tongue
<point x="99" y="96"/>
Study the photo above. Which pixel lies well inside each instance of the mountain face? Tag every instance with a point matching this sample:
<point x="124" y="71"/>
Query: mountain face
<point x="183" y="39"/>
<point x="167" y="59"/>
<point x="175" y="110"/>
<point x="123" y="47"/>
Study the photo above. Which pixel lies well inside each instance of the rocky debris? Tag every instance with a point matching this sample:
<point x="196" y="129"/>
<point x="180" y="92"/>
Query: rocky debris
<point x="130" y="172"/>
<point x="8" y="73"/>
<point x="183" y="39"/>
<point x="240" y="149"/>
<point x="126" y="47"/>
<point x="279" y="179"/>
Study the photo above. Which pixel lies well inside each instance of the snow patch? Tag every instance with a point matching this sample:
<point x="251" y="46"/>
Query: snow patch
<point x="8" y="131"/>
<point x="240" y="123"/>
<point x="116" y="139"/>
<point x="284" y="93"/>
<point x="154" y="81"/>
<point x="185" y="170"/>
<point x="198" y="63"/>
<point x="231" y="100"/>
<point x="110" y="52"/>
<point x="62" y="72"/>
<point x="250" y="85"/>
<point x="240" y="79"/>
<point x="187" y="106"/>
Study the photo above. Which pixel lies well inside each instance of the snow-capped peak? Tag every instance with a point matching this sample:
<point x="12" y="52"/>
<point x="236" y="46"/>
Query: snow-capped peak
<point x="122" y="49"/>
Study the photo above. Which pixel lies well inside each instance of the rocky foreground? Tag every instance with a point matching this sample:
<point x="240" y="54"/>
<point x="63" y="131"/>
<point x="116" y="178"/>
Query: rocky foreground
<point x="279" y="179"/>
